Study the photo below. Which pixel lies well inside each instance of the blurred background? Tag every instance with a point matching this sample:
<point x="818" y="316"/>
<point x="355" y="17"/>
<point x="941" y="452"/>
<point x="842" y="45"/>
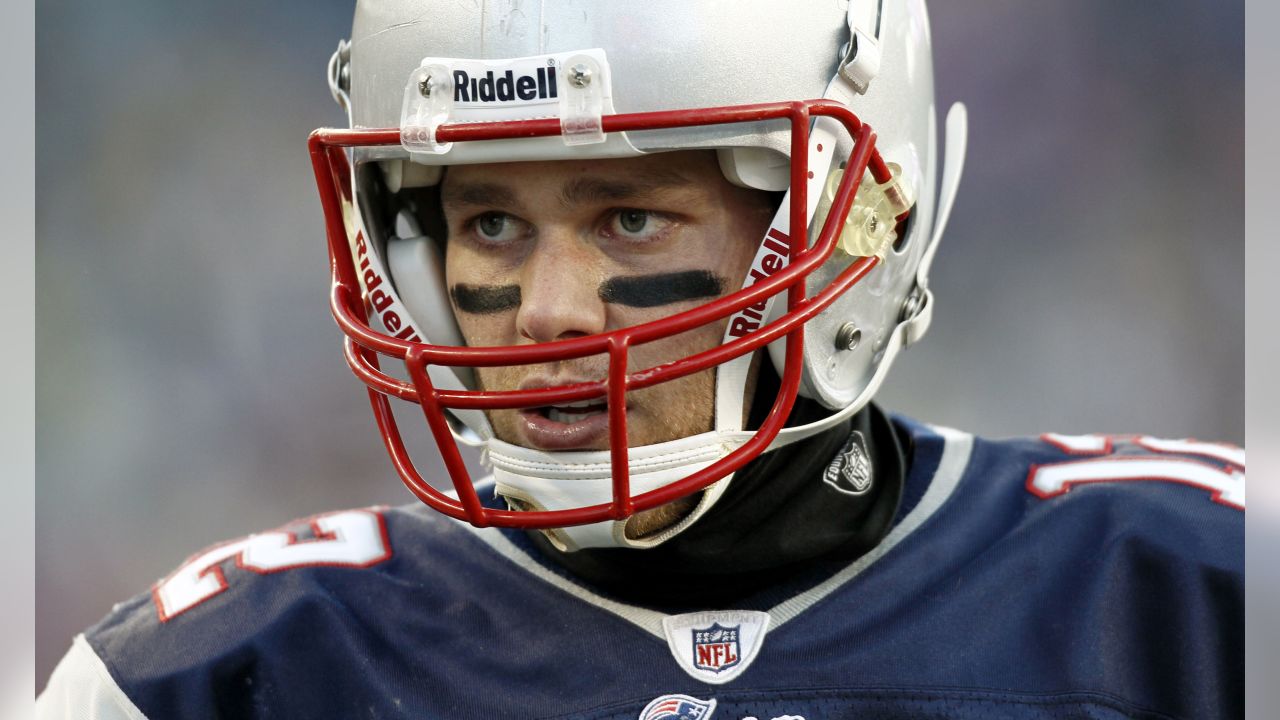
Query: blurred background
<point x="190" y="385"/>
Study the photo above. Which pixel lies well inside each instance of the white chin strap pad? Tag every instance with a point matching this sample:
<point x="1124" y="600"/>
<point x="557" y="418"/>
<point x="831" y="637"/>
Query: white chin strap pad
<point x="565" y="480"/>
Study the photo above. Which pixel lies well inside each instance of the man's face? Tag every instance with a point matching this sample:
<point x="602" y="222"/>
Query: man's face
<point x="544" y="251"/>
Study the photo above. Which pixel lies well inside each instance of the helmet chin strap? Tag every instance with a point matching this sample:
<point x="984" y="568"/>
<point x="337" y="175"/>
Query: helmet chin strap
<point x="560" y="480"/>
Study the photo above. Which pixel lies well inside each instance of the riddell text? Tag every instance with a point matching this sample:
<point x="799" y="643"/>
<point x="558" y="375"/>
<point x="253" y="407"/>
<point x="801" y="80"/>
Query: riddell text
<point x="379" y="300"/>
<point x="506" y="87"/>
<point x="748" y="319"/>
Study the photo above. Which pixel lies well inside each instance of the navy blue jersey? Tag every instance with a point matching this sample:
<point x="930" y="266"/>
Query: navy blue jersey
<point x="1056" y="577"/>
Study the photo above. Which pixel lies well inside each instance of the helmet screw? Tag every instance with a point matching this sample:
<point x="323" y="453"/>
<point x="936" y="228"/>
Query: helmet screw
<point x="424" y="86"/>
<point x="848" y="337"/>
<point x="910" y="307"/>
<point x="580" y="75"/>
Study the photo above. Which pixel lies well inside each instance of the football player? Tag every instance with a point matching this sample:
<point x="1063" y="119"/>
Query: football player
<point x="658" y="285"/>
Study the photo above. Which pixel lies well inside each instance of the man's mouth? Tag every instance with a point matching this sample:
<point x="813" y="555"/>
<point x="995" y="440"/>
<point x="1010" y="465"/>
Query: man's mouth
<point x="573" y="412"/>
<point x="570" y="426"/>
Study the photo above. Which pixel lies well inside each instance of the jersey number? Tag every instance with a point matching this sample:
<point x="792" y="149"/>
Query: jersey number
<point x="350" y="539"/>
<point x="1225" y="485"/>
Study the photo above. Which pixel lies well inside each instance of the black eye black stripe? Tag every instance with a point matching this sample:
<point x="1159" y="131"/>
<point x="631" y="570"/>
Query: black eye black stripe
<point x="645" y="291"/>
<point x="485" y="299"/>
<point x="639" y="291"/>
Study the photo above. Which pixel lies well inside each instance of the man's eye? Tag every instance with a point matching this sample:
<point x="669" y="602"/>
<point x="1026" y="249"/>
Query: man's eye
<point x="633" y="224"/>
<point x="496" y="227"/>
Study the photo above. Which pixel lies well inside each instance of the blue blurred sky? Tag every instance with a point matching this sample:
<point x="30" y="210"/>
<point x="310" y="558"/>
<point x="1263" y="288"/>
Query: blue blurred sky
<point x="190" y="385"/>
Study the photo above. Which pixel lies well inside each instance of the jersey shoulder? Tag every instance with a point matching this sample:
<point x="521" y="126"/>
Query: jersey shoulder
<point x="327" y="586"/>
<point x="1053" y="465"/>
<point x="1185" y="495"/>
<point x="1122" y="556"/>
<point x="1133" y="464"/>
<point x="1189" y="492"/>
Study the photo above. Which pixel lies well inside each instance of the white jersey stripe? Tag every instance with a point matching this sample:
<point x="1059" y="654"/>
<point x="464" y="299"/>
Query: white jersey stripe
<point x="81" y="688"/>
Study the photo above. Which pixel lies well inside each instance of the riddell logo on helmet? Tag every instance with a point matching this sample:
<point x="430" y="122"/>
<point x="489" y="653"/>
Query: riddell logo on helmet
<point x="379" y="298"/>
<point x="778" y="247"/>
<point x="506" y="87"/>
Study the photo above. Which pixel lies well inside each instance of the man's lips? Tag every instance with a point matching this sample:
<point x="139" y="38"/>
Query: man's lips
<point x="550" y="429"/>
<point x="577" y="425"/>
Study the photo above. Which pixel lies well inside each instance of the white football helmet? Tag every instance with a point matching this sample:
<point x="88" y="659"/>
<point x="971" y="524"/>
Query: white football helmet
<point x="791" y="95"/>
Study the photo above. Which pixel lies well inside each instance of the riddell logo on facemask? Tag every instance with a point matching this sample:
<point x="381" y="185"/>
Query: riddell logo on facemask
<point x="505" y="87"/>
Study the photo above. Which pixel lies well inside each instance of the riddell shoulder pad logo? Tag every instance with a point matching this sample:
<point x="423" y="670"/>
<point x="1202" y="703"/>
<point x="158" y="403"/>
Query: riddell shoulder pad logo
<point x="506" y="86"/>
<point x="850" y="471"/>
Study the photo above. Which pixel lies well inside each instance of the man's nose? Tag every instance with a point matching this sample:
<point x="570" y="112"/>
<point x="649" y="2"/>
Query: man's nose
<point x="559" y="290"/>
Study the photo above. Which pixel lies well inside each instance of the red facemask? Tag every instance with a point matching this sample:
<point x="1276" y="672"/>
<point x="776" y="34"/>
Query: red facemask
<point x="352" y="308"/>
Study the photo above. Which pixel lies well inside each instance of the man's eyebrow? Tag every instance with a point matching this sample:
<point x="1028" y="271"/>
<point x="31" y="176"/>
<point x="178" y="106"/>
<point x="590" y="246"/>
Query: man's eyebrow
<point x="481" y="194"/>
<point x="579" y="191"/>
<point x="588" y="190"/>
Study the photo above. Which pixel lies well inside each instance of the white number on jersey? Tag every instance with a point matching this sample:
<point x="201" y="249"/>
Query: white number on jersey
<point x="351" y="539"/>
<point x="1225" y="484"/>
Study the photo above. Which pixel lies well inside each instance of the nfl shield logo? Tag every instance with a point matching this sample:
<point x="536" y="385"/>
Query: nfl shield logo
<point x="716" y="648"/>
<point x="850" y="471"/>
